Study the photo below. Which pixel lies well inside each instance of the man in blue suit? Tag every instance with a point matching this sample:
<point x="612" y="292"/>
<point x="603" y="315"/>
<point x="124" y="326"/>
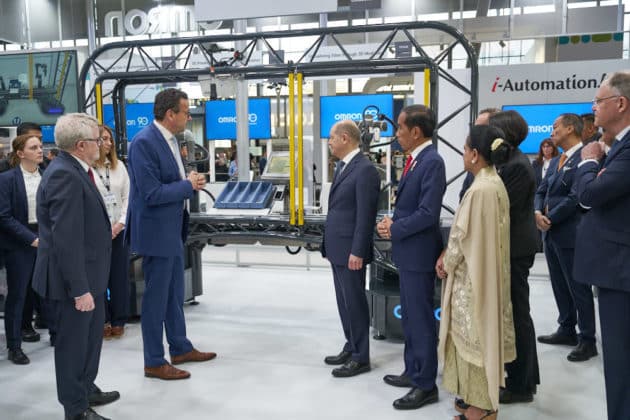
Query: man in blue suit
<point x="602" y="251"/>
<point x="72" y="266"/>
<point x="416" y="245"/>
<point x="157" y="225"/>
<point x="557" y="216"/>
<point x="348" y="244"/>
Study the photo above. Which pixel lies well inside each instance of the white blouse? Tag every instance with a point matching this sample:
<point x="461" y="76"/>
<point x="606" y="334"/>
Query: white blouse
<point x="31" y="183"/>
<point x="113" y="184"/>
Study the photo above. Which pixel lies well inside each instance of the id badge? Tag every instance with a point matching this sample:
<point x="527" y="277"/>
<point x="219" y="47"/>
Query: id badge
<point x="110" y="204"/>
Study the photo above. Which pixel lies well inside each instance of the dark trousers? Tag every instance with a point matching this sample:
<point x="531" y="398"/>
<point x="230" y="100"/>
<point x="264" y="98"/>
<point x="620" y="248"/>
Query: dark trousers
<point x="614" y="316"/>
<point x="162" y="309"/>
<point x="522" y="374"/>
<point x="574" y="300"/>
<point x="353" y="311"/>
<point x="77" y="352"/>
<point x="418" y="323"/>
<point x="117" y="306"/>
<point x="19" y="263"/>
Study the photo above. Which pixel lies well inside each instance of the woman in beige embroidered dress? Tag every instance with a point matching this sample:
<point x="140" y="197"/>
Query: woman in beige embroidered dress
<point x="477" y="330"/>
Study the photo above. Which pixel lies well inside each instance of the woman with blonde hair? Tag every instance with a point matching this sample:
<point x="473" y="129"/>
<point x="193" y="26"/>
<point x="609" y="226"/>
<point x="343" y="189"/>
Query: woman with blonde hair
<point x="114" y="188"/>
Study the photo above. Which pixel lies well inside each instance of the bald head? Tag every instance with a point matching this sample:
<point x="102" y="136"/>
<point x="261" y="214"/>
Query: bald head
<point x="350" y="129"/>
<point x="344" y="138"/>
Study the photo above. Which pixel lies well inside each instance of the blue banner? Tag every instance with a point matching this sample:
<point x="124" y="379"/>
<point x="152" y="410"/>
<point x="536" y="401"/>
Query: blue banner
<point x="221" y="119"/>
<point x="351" y="107"/>
<point x="138" y="117"/>
<point x="540" y="120"/>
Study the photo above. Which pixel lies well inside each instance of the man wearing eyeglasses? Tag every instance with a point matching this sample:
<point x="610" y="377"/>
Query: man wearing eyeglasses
<point x="72" y="266"/>
<point x="602" y="252"/>
<point x="157" y="226"/>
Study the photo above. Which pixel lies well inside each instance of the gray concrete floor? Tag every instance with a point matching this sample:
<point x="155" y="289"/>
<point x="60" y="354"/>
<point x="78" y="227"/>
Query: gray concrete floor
<point x="271" y="327"/>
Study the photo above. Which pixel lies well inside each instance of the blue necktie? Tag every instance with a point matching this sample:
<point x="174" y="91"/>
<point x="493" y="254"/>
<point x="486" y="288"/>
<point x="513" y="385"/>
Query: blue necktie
<point x="338" y="169"/>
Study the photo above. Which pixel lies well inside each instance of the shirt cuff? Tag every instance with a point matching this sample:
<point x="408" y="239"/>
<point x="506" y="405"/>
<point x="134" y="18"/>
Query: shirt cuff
<point x="588" y="160"/>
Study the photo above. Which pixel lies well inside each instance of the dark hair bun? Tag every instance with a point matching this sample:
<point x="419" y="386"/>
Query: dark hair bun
<point x="499" y="151"/>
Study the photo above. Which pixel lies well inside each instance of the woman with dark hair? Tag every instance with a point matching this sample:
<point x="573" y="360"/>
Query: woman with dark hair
<point x="18" y="234"/>
<point x="546" y="151"/>
<point x="520" y="182"/>
<point x="476" y="329"/>
<point x="114" y="188"/>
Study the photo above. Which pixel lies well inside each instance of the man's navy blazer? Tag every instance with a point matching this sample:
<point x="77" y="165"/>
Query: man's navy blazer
<point x="602" y="252"/>
<point x="557" y="194"/>
<point x="75" y="236"/>
<point x="14" y="232"/>
<point x="415" y="233"/>
<point x="352" y="206"/>
<point x="157" y="222"/>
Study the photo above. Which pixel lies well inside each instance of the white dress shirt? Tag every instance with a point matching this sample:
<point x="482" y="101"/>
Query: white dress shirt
<point x="31" y="183"/>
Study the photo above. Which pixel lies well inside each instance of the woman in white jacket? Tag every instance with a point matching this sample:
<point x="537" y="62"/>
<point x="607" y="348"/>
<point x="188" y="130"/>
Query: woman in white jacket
<point x="113" y="184"/>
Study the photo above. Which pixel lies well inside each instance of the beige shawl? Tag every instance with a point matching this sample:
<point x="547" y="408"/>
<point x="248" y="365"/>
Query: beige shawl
<point x="476" y="304"/>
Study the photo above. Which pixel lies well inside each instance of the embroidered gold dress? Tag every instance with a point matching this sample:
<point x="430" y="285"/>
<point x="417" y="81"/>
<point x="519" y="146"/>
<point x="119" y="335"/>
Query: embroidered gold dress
<point x="477" y="328"/>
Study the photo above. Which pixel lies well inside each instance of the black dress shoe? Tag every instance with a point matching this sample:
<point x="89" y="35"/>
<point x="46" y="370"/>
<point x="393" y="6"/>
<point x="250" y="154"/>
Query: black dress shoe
<point x="416" y="398"/>
<point x="508" y="397"/>
<point x="98" y="397"/>
<point x="88" y="414"/>
<point x="398" y="380"/>
<point x="30" y="335"/>
<point x="18" y="357"/>
<point x="559" y="338"/>
<point x="582" y="352"/>
<point x="351" y="368"/>
<point x="339" y="359"/>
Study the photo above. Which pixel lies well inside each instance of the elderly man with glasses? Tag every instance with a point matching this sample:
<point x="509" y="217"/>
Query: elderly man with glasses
<point x="72" y="266"/>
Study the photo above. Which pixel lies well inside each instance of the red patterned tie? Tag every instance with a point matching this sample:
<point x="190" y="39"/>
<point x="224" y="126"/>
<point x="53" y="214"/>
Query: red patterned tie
<point x="91" y="175"/>
<point x="407" y="165"/>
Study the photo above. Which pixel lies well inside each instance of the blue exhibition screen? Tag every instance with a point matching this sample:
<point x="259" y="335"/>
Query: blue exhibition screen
<point x="351" y="107"/>
<point x="48" y="133"/>
<point x="138" y="116"/>
<point x="221" y="119"/>
<point x="540" y="120"/>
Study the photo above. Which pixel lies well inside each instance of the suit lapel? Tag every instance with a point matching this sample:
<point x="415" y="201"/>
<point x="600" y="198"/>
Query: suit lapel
<point x="414" y="164"/>
<point x="164" y="148"/>
<point x="346" y="171"/>
<point x="617" y="147"/>
<point x="85" y="178"/>
<point x="20" y="191"/>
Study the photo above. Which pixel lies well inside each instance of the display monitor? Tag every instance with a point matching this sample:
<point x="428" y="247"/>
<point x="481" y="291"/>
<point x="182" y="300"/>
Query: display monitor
<point x="138" y="116"/>
<point x="37" y="87"/>
<point x="352" y="107"/>
<point x="221" y="119"/>
<point x="278" y="166"/>
<point x="48" y="133"/>
<point x="540" y="118"/>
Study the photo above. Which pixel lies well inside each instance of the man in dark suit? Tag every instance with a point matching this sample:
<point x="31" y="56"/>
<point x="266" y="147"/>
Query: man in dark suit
<point x="157" y="225"/>
<point x="590" y="131"/>
<point x="602" y="251"/>
<point x="416" y="245"/>
<point x="348" y="243"/>
<point x="72" y="265"/>
<point x="557" y="216"/>
<point x="520" y="182"/>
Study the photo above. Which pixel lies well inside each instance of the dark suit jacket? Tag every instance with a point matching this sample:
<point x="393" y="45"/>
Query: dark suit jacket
<point x="416" y="238"/>
<point x="14" y="231"/>
<point x="352" y="206"/>
<point x="538" y="171"/>
<point x="75" y="237"/>
<point x="520" y="182"/>
<point x="157" y="222"/>
<point x="557" y="194"/>
<point x="602" y="252"/>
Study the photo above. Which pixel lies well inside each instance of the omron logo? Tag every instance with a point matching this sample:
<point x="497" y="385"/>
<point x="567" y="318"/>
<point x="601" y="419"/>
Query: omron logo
<point x="527" y="85"/>
<point x="253" y="118"/>
<point x="355" y="116"/>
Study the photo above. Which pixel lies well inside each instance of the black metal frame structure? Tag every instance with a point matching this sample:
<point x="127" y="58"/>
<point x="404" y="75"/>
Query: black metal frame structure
<point x="115" y="62"/>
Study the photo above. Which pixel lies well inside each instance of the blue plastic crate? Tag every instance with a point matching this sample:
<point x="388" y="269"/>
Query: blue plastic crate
<point x="245" y="195"/>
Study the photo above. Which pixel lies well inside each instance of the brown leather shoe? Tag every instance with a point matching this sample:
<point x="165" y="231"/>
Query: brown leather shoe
<point x="117" y="332"/>
<point x="107" y="332"/>
<point x="166" y="372"/>
<point x="192" y="356"/>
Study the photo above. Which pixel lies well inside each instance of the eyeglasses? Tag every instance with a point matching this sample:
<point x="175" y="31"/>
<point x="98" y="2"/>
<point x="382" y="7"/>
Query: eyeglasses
<point x="597" y="101"/>
<point x="98" y="140"/>
<point x="187" y="113"/>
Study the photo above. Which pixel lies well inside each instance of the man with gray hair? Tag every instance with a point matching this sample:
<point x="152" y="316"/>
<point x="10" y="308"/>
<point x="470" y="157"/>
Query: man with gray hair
<point x="72" y="267"/>
<point x="602" y="250"/>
